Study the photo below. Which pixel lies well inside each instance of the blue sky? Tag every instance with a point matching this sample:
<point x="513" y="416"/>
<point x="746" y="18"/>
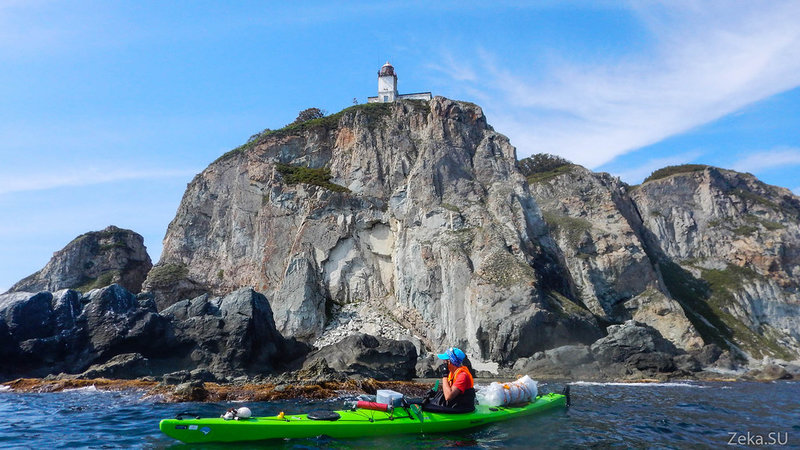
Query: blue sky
<point x="108" y="109"/>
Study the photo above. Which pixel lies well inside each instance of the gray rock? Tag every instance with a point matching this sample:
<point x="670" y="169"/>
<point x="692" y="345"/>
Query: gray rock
<point x="178" y="377"/>
<point x="687" y="363"/>
<point x="568" y="362"/>
<point x="229" y="335"/>
<point x="631" y="339"/>
<point x="93" y="260"/>
<point x="368" y="356"/>
<point x="67" y="332"/>
<point x="202" y="375"/>
<point x="317" y="371"/>
<point x="771" y="372"/>
<point x="193" y="391"/>
<point x="428" y="366"/>
<point x="126" y="366"/>
<point x="602" y="239"/>
<point x="726" y="361"/>
<point x="734" y="239"/>
<point x="651" y="362"/>
<point x="49" y="333"/>
<point x="708" y="355"/>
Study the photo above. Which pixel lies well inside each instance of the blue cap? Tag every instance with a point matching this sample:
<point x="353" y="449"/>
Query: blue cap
<point x="454" y="355"/>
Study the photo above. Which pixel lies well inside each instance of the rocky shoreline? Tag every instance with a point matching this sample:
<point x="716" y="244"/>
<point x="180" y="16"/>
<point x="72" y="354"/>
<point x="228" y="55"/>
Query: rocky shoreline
<point x="260" y="390"/>
<point x="199" y="391"/>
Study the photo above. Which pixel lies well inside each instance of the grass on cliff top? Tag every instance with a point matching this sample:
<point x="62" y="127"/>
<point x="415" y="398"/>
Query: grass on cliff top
<point x="373" y="112"/>
<point x="674" y="170"/>
<point x="318" y="177"/>
<point x="543" y="167"/>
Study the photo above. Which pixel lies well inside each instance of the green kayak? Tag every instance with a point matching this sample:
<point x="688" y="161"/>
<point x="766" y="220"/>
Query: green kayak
<point x="350" y="424"/>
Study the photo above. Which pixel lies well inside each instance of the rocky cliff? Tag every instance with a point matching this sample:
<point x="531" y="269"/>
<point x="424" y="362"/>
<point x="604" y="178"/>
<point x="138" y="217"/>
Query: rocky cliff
<point x="728" y="247"/>
<point x="418" y="213"/>
<point x="413" y="208"/>
<point x="415" y="221"/>
<point x="93" y="260"/>
<point x="695" y="251"/>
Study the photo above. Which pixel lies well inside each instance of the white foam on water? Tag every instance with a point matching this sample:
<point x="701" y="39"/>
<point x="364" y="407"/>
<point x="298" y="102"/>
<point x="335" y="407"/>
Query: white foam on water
<point x="4" y="388"/>
<point x="597" y="383"/>
<point x="91" y="388"/>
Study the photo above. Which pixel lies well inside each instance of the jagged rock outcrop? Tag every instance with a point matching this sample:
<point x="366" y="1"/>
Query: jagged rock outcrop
<point x="93" y="260"/>
<point x="227" y="335"/>
<point x="417" y="205"/>
<point x="728" y="247"/>
<point x="120" y="367"/>
<point x="66" y="331"/>
<point x="121" y="335"/>
<point x="631" y="350"/>
<point x="600" y="237"/>
<point x="369" y="356"/>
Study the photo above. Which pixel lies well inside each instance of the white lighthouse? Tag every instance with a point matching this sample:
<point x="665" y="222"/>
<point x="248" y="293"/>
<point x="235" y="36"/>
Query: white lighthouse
<point x="387" y="88"/>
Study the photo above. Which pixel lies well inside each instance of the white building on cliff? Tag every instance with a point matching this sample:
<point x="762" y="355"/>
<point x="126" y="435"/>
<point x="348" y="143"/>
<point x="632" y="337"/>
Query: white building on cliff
<point x="387" y="88"/>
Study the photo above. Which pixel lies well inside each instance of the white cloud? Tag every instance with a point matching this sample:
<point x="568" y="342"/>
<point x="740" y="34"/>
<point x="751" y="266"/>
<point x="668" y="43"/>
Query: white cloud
<point x="779" y="157"/>
<point x="708" y="61"/>
<point x="10" y="183"/>
<point x="635" y="175"/>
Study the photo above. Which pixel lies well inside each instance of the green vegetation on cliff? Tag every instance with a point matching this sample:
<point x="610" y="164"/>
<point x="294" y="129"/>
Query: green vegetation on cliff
<point x="103" y="280"/>
<point x="318" y="177"/>
<point x="372" y="111"/>
<point x="544" y="167"/>
<point x="674" y="170"/>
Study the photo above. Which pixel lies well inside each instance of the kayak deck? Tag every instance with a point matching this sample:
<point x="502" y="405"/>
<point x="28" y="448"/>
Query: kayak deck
<point x="351" y="424"/>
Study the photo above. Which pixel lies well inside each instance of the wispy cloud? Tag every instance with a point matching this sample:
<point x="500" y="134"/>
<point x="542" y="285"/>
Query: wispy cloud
<point x="708" y="61"/>
<point x="72" y="178"/>
<point x="768" y="159"/>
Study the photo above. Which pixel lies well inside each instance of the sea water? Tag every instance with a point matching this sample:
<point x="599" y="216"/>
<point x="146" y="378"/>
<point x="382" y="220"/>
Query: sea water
<point x="663" y="415"/>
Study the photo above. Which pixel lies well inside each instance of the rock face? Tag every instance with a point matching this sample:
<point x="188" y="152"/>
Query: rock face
<point x="93" y="260"/>
<point x="630" y="351"/>
<point x="601" y="239"/>
<point x="728" y="247"/>
<point x="123" y="336"/>
<point x="415" y="205"/>
<point x="420" y="211"/>
<point x="226" y="335"/>
<point x="364" y="355"/>
<point x="694" y="252"/>
<point x="66" y="331"/>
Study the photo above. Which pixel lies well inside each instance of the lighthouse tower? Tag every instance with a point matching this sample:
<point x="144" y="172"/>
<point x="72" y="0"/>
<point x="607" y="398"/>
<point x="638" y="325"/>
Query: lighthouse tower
<point x="387" y="84"/>
<point x="387" y="88"/>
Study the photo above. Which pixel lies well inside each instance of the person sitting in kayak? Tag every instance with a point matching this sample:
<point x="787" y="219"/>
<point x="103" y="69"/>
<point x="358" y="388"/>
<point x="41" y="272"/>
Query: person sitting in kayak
<point x="457" y="391"/>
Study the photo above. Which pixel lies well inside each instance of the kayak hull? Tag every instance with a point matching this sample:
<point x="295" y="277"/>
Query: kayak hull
<point x="352" y="424"/>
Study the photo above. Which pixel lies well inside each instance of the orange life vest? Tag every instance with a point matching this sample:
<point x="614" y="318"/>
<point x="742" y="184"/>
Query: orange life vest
<point x="452" y="377"/>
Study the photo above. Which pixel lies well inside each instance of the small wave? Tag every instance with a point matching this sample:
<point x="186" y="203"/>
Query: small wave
<point x="4" y="388"/>
<point x="654" y="384"/>
<point x="91" y="388"/>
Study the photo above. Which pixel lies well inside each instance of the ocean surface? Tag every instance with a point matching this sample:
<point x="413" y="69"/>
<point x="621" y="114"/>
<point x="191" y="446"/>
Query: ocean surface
<point x="666" y="415"/>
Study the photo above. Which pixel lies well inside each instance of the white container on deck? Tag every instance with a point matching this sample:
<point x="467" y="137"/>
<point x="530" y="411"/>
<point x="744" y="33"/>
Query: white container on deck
<point x="389" y="397"/>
